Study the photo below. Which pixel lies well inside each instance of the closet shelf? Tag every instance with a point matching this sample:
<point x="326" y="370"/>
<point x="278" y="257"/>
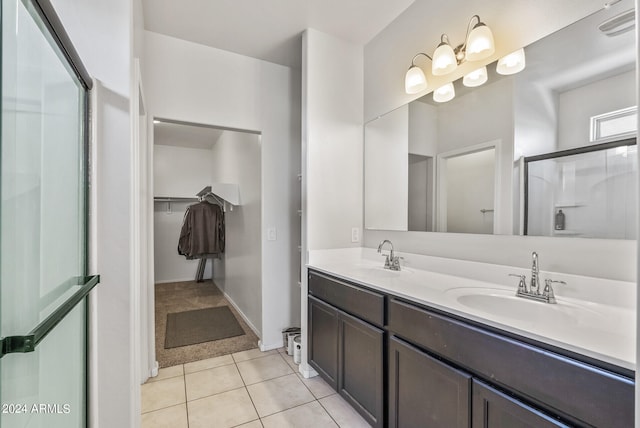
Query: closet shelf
<point x="228" y="192"/>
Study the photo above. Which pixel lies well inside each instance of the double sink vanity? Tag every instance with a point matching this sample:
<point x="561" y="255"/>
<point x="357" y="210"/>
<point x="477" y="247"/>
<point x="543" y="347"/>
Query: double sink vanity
<point x="448" y="343"/>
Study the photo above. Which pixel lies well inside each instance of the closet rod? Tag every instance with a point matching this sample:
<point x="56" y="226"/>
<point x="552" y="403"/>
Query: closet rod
<point x="173" y="199"/>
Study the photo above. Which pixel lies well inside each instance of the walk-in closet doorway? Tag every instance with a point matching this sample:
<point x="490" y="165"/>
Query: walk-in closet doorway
<point x="206" y="305"/>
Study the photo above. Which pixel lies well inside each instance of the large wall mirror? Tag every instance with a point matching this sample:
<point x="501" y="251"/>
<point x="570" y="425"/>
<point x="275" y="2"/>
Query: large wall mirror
<point x="550" y="151"/>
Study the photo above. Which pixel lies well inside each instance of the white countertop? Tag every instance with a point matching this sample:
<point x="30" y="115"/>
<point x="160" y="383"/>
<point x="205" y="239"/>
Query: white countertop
<point x="594" y="317"/>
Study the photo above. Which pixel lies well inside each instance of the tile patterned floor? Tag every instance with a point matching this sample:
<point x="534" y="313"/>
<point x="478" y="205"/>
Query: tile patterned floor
<point x="249" y="389"/>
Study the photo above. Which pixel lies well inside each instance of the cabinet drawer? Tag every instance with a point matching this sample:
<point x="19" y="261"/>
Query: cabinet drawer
<point x="581" y="393"/>
<point x="494" y="409"/>
<point x="364" y="304"/>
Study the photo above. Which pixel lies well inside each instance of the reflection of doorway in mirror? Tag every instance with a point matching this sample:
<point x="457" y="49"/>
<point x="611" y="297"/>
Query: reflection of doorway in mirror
<point x="420" y="208"/>
<point x="466" y="190"/>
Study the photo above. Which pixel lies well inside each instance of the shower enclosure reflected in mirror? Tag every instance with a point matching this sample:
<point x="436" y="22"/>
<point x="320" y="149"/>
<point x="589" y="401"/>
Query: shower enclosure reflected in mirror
<point x="555" y="104"/>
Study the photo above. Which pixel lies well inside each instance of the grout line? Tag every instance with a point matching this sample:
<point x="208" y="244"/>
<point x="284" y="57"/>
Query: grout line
<point x="186" y="397"/>
<point x="250" y="397"/>
<point x="217" y="393"/>
<point x="329" y="413"/>
<point x="289" y="408"/>
<point x="208" y="368"/>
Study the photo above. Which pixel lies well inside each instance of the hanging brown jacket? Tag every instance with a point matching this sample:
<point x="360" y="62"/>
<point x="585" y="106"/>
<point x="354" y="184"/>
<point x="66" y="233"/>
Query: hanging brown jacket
<point x="202" y="233"/>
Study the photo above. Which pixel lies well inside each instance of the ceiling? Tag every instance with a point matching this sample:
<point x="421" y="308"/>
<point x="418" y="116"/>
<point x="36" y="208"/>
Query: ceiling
<point x="185" y="135"/>
<point x="269" y="30"/>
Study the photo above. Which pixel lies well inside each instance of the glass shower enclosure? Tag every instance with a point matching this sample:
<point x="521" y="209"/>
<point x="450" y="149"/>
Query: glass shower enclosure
<point x="44" y="278"/>
<point x="590" y="192"/>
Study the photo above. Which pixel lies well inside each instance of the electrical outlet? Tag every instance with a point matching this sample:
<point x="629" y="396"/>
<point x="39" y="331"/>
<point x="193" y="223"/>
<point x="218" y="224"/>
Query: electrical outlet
<point x="272" y="234"/>
<point x="355" y="234"/>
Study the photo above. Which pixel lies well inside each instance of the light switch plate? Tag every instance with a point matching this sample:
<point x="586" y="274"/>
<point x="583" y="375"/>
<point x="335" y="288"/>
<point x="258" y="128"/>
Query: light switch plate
<point x="355" y="234"/>
<point x="272" y="234"/>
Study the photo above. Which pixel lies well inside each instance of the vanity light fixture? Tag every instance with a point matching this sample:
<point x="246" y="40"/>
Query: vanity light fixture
<point x="512" y="63"/>
<point x="444" y="93"/>
<point x="478" y="45"/>
<point x="415" y="81"/>
<point x="475" y="78"/>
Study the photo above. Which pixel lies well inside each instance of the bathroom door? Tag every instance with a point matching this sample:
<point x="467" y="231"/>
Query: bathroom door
<point x="43" y="222"/>
<point x="466" y="191"/>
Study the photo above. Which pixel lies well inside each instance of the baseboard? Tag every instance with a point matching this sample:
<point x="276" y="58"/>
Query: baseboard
<point x="244" y="317"/>
<point x="155" y="369"/>
<point x="167" y="281"/>
<point x="308" y="372"/>
<point x="265" y="348"/>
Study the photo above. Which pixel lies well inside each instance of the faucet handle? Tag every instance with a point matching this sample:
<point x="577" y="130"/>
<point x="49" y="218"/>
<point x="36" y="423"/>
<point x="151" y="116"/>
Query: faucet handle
<point x="522" y="284"/>
<point x="395" y="262"/>
<point x="548" y="289"/>
<point x="387" y="262"/>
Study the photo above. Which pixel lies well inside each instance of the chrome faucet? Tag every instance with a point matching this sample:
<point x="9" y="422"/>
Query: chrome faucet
<point x="533" y="291"/>
<point x="391" y="262"/>
<point x="535" y="275"/>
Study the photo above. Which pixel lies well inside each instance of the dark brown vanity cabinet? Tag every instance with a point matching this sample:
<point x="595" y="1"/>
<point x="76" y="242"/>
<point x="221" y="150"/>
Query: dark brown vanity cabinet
<point x="541" y="388"/>
<point x="323" y="340"/>
<point x="425" y="392"/>
<point x="494" y="409"/>
<point x="442" y="370"/>
<point x="346" y="350"/>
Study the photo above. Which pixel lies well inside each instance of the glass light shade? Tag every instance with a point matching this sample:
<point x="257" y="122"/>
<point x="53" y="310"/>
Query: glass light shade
<point x="415" y="80"/>
<point x="475" y="78"/>
<point x="512" y="63"/>
<point x="444" y="93"/>
<point x="444" y="60"/>
<point x="480" y="43"/>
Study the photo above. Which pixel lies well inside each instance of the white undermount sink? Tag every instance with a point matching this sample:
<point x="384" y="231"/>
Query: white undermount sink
<point x="378" y="271"/>
<point x="505" y="303"/>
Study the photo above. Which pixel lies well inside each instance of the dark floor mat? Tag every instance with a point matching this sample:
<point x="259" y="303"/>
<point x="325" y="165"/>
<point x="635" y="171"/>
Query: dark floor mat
<point x="200" y="325"/>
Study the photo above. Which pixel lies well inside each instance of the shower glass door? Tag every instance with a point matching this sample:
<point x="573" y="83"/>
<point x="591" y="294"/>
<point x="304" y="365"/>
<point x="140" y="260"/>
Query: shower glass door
<point x="43" y="223"/>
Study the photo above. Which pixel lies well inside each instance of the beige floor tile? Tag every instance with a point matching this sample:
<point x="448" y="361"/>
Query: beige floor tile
<point x="276" y="395"/>
<point x="209" y="363"/>
<point x="342" y="412"/>
<point x="163" y="393"/>
<point x="254" y="424"/>
<point x="260" y="369"/>
<point x="167" y="373"/>
<point x="228" y="409"/>
<point x="170" y="417"/>
<point x="289" y="359"/>
<point x="251" y="354"/>
<point x="318" y="387"/>
<point x="212" y="381"/>
<point x="310" y="415"/>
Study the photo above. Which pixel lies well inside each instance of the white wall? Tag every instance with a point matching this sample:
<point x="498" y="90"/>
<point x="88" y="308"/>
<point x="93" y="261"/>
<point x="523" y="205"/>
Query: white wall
<point x="332" y="147"/>
<point x="423" y="129"/>
<point x="101" y="32"/>
<point x="577" y="106"/>
<point x="195" y="83"/>
<point x="178" y="172"/>
<point x="334" y="138"/>
<point x="236" y="158"/>
<point x="386" y="176"/>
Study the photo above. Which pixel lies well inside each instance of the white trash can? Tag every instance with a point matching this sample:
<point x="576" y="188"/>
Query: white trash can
<point x="297" y="349"/>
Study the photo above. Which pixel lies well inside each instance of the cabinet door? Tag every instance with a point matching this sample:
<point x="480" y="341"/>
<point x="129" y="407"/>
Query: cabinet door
<point x="425" y="392"/>
<point x="493" y="409"/>
<point x="361" y="355"/>
<point x="323" y="340"/>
